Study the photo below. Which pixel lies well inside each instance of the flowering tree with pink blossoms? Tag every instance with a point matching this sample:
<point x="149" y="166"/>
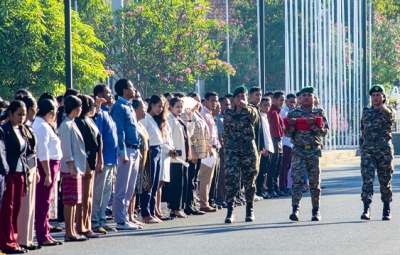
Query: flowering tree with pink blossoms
<point x="385" y="51"/>
<point x="165" y="45"/>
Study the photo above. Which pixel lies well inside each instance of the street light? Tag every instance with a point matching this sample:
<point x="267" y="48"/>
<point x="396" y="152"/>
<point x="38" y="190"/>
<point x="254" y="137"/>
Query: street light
<point x="68" y="44"/>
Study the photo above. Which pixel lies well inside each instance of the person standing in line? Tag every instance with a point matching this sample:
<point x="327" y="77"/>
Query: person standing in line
<point x="49" y="155"/>
<point x="104" y="178"/>
<point x="125" y="119"/>
<point x="276" y="129"/>
<point x="26" y="216"/>
<point x="306" y="152"/>
<point x="17" y="145"/>
<point x="148" y="197"/>
<point x="377" y="151"/>
<point x="73" y="165"/>
<point x="287" y="147"/>
<point x="180" y="134"/>
<point x="206" y="173"/>
<point x="240" y="153"/>
<point x="221" y="191"/>
<point x="214" y="181"/>
<point x="199" y="142"/>
<point x="265" y="106"/>
<point x="93" y="146"/>
<point x="4" y="169"/>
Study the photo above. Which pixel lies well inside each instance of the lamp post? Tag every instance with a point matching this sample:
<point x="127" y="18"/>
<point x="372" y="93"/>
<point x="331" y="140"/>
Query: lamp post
<point x="365" y="77"/>
<point x="261" y="43"/>
<point x="68" y="44"/>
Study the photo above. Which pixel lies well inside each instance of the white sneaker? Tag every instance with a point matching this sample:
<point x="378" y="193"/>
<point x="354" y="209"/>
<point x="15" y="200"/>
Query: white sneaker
<point x="257" y="198"/>
<point x="126" y="226"/>
<point x="135" y="225"/>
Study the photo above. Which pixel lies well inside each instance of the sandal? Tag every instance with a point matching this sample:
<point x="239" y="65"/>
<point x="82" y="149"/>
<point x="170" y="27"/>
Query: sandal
<point x="75" y="239"/>
<point x="90" y="234"/>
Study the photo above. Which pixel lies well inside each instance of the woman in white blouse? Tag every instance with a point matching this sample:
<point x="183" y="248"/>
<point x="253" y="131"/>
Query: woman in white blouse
<point x="181" y="134"/>
<point x="154" y="123"/>
<point x="49" y="155"/>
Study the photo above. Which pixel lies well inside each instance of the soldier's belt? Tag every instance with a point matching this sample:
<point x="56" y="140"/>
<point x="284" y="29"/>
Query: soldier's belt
<point x="249" y="145"/>
<point x="377" y="143"/>
<point x="307" y="146"/>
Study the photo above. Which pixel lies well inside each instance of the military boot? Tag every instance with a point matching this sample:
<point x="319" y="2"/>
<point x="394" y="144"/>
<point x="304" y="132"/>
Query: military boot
<point x="366" y="215"/>
<point x="295" y="213"/>
<point x="316" y="215"/>
<point x="230" y="216"/>
<point x="386" y="212"/>
<point x="249" y="212"/>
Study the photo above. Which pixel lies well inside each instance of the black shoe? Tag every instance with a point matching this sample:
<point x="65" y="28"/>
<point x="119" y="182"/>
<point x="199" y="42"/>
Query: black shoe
<point x="238" y="202"/>
<point x="55" y="229"/>
<point x="197" y="212"/>
<point x="230" y="216"/>
<point x="31" y="247"/>
<point x="272" y="194"/>
<point x="249" y="213"/>
<point x="286" y="192"/>
<point x="366" y="215"/>
<point x="214" y="205"/>
<point x="316" y="215"/>
<point x="15" y="251"/>
<point x="386" y="212"/>
<point x="281" y="193"/>
<point x="222" y="205"/>
<point x="295" y="213"/>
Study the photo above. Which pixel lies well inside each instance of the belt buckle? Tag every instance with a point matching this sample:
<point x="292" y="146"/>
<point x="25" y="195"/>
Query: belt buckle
<point x="307" y="147"/>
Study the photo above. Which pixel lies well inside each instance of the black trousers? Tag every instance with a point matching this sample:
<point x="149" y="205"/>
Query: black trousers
<point x="275" y="165"/>
<point x="212" y="196"/>
<point x="193" y="170"/>
<point x="176" y="186"/>
<point x="221" y="189"/>
<point x="264" y="165"/>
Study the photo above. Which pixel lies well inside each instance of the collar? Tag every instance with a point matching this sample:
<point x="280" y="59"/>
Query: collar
<point x="105" y="108"/>
<point x="207" y="110"/>
<point x="275" y="108"/>
<point x="148" y="115"/>
<point x="286" y="108"/>
<point x="123" y="100"/>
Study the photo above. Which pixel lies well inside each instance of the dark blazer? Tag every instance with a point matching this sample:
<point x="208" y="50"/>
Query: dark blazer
<point x="3" y="156"/>
<point x="92" y="142"/>
<point x="13" y="148"/>
<point x="258" y="130"/>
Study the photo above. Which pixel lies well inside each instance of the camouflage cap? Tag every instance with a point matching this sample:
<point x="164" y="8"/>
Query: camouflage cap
<point x="377" y="88"/>
<point x="308" y="89"/>
<point x="240" y="89"/>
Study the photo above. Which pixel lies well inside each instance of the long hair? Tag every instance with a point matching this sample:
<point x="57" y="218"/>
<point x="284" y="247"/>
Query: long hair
<point x="161" y="119"/>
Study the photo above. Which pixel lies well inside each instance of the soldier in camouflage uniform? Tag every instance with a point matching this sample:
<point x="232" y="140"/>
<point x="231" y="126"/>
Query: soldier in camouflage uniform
<point x="241" y="157"/>
<point x="306" y="152"/>
<point x="377" y="151"/>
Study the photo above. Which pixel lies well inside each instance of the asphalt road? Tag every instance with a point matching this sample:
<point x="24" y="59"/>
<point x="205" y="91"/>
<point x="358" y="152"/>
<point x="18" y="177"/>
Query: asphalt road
<point x="340" y="232"/>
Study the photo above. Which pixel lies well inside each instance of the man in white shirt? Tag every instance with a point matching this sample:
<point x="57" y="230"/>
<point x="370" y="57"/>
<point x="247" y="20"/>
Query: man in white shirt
<point x="287" y="148"/>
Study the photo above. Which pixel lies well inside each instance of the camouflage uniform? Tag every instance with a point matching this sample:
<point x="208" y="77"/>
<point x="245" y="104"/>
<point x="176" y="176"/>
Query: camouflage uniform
<point x="376" y="152"/>
<point x="306" y="153"/>
<point x="241" y="157"/>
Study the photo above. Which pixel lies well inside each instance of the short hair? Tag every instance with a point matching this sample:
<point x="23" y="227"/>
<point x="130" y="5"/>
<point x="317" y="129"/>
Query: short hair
<point x="210" y="94"/>
<point x="174" y="101"/>
<point x="120" y="85"/>
<point x="71" y="102"/>
<point x="168" y="94"/>
<point x="99" y="88"/>
<point x="278" y="94"/>
<point x="194" y="94"/>
<point x="221" y="99"/>
<point x="60" y="99"/>
<point x="47" y="95"/>
<point x="229" y="95"/>
<point x="29" y="101"/>
<point x="265" y="99"/>
<point x="24" y="92"/>
<point x="291" y="96"/>
<point x="179" y="94"/>
<point x="268" y="94"/>
<point x="71" y="92"/>
<point x="45" y="106"/>
<point x="254" y="89"/>
<point x="298" y="94"/>
<point x="136" y="103"/>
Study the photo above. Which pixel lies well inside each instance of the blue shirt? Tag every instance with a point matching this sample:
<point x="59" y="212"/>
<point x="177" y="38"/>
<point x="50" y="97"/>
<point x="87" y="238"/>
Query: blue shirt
<point x="220" y="123"/>
<point x="125" y="119"/>
<point x="108" y="132"/>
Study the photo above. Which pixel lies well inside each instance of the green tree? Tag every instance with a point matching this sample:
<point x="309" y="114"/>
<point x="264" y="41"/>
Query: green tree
<point x="32" y="48"/>
<point x="385" y="51"/>
<point x="388" y="8"/>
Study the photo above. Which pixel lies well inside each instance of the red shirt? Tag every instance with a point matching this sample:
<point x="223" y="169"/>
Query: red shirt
<point x="275" y="122"/>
